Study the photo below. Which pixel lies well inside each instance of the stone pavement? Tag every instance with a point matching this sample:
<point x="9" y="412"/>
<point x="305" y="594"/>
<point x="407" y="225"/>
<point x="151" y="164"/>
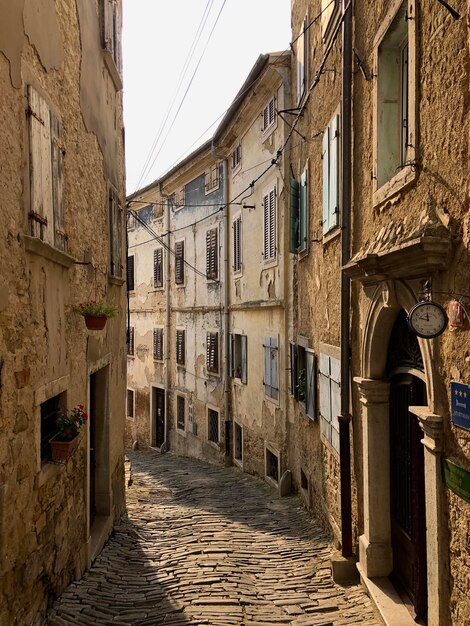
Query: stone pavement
<point x="210" y="545"/>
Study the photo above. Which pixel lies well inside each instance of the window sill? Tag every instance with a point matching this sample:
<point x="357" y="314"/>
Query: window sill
<point x="269" y="264"/>
<point x="404" y="178"/>
<point x="274" y="401"/>
<point x="41" y="248"/>
<point x="329" y="445"/>
<point x="112" y="69"/>
<point x="181" y="431"/>
<point x="214" y="444"/>
<point x="115" y="280"/>
<point x="130" y="418"/>
<point x="267" y="132"/>
<point x="331" y="235"/>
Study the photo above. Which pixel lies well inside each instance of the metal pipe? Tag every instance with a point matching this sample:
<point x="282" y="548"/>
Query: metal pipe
<point x="345" y="417"/>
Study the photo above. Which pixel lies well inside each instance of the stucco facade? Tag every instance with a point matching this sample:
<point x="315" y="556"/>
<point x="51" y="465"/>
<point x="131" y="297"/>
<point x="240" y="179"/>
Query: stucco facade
<point x="61" y="163"/>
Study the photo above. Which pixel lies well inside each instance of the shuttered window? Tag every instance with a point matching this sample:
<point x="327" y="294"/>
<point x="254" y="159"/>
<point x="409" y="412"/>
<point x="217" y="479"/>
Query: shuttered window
<point x="330" y="159"/>
<point x="271" y="384"/>
<point x="212" y="352"/>
<point x="115" y="234"/>
<point x="236" y="157"/>
<point x="46" y="172"/>
<point x="269" y="226"/>
<point x="268" y="115"/>
<point x="130" y="273"/>
<point x="330" y="398"/>
<point x="238" y="357"/>
<point x="158" y="344"/>
<point x="180" y="412"/>
<point x="212" y="254"/>
<point x="311" y="384"/>
<point x="180" y="347"/>
<point x="301" y="53"/>
<point x="212" y="179"/>
<point x="179" y="262"/>
<point x="158" y="267"/>
<point x="298" y="241"/>
<point x="110" y="30"/>
<point x="130" y="341"/>
<point x="237" y="245"/>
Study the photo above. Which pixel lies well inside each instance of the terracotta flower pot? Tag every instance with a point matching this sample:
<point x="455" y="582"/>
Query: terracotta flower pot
<point x="63" y="450"/>
<point x="95" y="322"/>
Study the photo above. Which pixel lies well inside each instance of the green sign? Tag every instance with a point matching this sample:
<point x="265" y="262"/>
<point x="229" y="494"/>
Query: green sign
<point x="457" y="479"/>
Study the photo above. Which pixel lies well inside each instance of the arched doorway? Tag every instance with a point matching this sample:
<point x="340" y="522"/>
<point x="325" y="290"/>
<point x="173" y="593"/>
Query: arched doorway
<point x="405" y="371"/>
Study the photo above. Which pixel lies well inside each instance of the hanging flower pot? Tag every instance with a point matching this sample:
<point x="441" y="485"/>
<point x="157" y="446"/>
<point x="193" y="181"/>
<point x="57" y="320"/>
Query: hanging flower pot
<point x="95" y="322"/>
<point x="95" y="313"/>
<point x="65" y="441"/>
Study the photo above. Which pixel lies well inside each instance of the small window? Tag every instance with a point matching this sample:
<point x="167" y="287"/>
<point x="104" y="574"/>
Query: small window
<point x="238" y="357"/>
<point x="212" y="178"/>
<point x="236" y="157"/>
<point x="268" y="116"/>
<point x="330" y="398"/>
<point x="180" y="412"/>
<point x="158" y="344"/>
<point x="130" y="404"/>
<point x="115" y="233"/>
<point x="180" y="347"/>
<point x="238" y="442"/>
<point x="179" y="262"/>
<point x="130" y="273"/>
<point x="237" y="245"/>
<point x="269" y="226"/>
<point x="212" y="352"/>
<point x="130" y="341"/>
<point x="299" y="214"/>
<point x="111" y="30"/>
<point x="158" y="268"/>
<point x="272" y="465"/>
<point x="330" y="159"/>
<point x="212" y="254"/>
<point x="303" y="382"/>
<point x="49" y="410"/>
<point x="271" y="384"/>
<point x="213" y="425"/>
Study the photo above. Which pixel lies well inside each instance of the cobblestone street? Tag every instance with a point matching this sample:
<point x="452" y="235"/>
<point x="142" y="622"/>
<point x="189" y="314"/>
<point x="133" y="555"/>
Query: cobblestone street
<point x="208" y="545"/>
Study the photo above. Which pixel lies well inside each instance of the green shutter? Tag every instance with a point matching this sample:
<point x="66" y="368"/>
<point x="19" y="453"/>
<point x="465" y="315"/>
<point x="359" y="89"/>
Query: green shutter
<point x="303" y="228"/>
<point x="294" y="215"/>
<point x="326" y="180"/>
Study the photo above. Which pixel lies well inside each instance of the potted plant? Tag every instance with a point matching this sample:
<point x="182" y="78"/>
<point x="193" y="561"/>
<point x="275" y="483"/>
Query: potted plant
<point x="95" y="313"/>
<point x="65" y="441"/>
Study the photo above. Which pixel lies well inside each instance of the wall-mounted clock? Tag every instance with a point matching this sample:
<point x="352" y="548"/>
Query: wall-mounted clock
<point x="427" y="319"/>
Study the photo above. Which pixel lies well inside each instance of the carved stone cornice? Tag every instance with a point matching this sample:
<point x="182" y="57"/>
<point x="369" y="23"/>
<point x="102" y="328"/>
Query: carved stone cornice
<point x="372" y="391"/>
<point x="432" y="427"/>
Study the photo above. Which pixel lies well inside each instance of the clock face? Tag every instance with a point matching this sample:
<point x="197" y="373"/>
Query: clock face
<point x="427" y="320"/>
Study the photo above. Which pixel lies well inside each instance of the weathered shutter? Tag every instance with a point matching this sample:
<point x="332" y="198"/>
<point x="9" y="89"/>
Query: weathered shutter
<point x="311" y="384"/>
<point x="158" y="344"/>
<point x="266" y="227"/>
<point x="244" y="358"/>
<point x="265" y="122"/>
<point x="130" y="347"/>
<point x="267" y="366"/>
<point x="57" y="152"/>
<point x="155" y="350"/>
<point x="40" y="168"/>
<point x="303" y="229"/>
<point x="211" y="253"/>
<point x="274" y="368"/>
<point x="334" y="169"/>
<point x="130" y="273"/>
<point x="272" y="224"/>
<point x="179" y="262"/>
<point x="272" y="112"/>
<point x="107" y="25"/>
<point x="237" y="245"/>
<point x="293" y="371"/>
<point x="294" y="215"/>
<point x="335" y="389"/>
<point x="158" y="267"/>
<point x="325" y="396"/>
<point x="231" y="355"/>
<point x="180" y="347"/>
<point x="326" y="180"/>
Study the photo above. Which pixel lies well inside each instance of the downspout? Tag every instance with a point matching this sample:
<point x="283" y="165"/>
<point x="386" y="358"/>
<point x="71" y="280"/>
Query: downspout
<point x="166" y="444"/>
<point x="226" y="319"/>
<point x="345" y="417"/>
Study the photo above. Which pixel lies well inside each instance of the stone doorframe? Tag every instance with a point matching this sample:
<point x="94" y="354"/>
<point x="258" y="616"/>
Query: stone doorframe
<point x="375" y="549"/>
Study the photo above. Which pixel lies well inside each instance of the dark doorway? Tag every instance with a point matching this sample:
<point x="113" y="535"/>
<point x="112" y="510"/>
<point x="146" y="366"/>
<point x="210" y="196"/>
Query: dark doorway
<point x="92" y="432"/>
<point x="99" y="485"/>
<point x="159" y="416"/>
<point x="408" y="517"/>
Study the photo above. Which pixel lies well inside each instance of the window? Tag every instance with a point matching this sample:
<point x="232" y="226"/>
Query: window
<point x="180" y="412"/>
<point x="212" y="254"/>
<point x="395" y="119"/>
<point x="213" y="425"/>
<point x="271" y="385"/>
<point x="46" y="152"/>
<point x="212" y="352"/>
<point x="237" y="442"/>
<point x="130" y="404"/>
<point x="111" y="30"/>
<point x="130" y="341"/>
<point x="115" y="233"/>
<point x="329" y="8"/>
<point x="268" y="116"/>
<point x="212" y="178"/>
<point x="158" y="268"/>
<point x="237" y="157"/>
<point x="238" y="357"/>
<point x="269" y="226"/>
<point x="301" y="53"/>
<point x="303" y="382"/>
<point x="179" y="262"/>
<point x="237" y="244"/>
<point x="130" y="273"/>
<point x="158" y="344"/>
<point x="299" y="214"/>
<point x="49" y="410"/>
<point x="272" y="465"/>
<point x="180" y="347"/>
<point x="177" y="200"/>
<point x="330" y="398"/>
<point x="330" y="158"/>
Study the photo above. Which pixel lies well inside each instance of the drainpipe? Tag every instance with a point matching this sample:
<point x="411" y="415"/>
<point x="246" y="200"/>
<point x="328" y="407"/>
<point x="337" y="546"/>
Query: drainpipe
<point x="345" y="417"/>
<point x="226" y="319"/>
<point x="167" y="324"/>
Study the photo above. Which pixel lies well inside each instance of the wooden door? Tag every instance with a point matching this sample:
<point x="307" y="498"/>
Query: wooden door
<point x="159" y="415"/>
<point x="92" y="432"/>
<point x="408" y="518"/>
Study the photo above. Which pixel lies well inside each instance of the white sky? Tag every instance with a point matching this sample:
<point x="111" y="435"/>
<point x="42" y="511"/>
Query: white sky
<point x="157" y="37"/>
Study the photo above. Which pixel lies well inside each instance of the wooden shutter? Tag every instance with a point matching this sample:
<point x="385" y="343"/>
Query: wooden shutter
<point x="180" y="347"/>
<point x="130" y="273"/>
<point x="212" y="253"/>
<point x="57" y="153"/>
<point x="269" y="214"/>
<point x="311" y="386"/>
<point x="158" y="344"/>
<point x="294" y="215"/>
<point x="130" y="345"/>
<point x="271" y="367"/>
<point x="325" y="396"/>
<point x="158" y="267"/>
<point x="334" y="170"/>
<point x="237" y="263"/>
<point x="40" y="167"/>
<point x="267" y="366"/>
<point x="303" y="212"/>
<point x="179" y="262"/>
<point x="265" y="122"/>
<point x="212" y="352"/>
<point x="293" y="371"/>
<point x="272" y="112"/>
<point x="335" y="390"/>
<point x="231" y="355"/>
<point x="326" y="180"/>
<point x="244" y="358"/>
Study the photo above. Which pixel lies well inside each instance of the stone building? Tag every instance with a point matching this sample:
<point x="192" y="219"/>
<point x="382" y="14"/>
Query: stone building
<point x="62" y="178"/>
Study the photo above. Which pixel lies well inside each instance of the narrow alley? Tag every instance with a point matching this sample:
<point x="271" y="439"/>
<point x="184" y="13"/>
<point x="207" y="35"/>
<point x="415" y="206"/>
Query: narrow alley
<point x="208" y="545"/>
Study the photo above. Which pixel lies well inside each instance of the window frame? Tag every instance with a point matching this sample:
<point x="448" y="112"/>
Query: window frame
<point x="130" y="272"/>
<point x="214" y="411"/>
<point x="131" y="343"/>
<point x="158" y="355"/>
<point x="271" y="387"/>
<point x="236" y="158"/>
<point x="240" y="351"/>
<point x="269" y="116"/>
<point x="111" y="31"/>
<point x="212" y="352"/>
<point x="115" y="216"/>
<point x="180" y="360"/>
<point x="180" y="397"/>
<point x="212" y="178"/>
<point x="237" y="265"/>
<point x="128" y="415"/>
<point x="45" y="435"/>
<point x="329" y="405"/>
<point x="212" y="254"/>
<point x="270" y="451"/>
<point x="158" y="268"/>
<point x="180" y="273"/>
